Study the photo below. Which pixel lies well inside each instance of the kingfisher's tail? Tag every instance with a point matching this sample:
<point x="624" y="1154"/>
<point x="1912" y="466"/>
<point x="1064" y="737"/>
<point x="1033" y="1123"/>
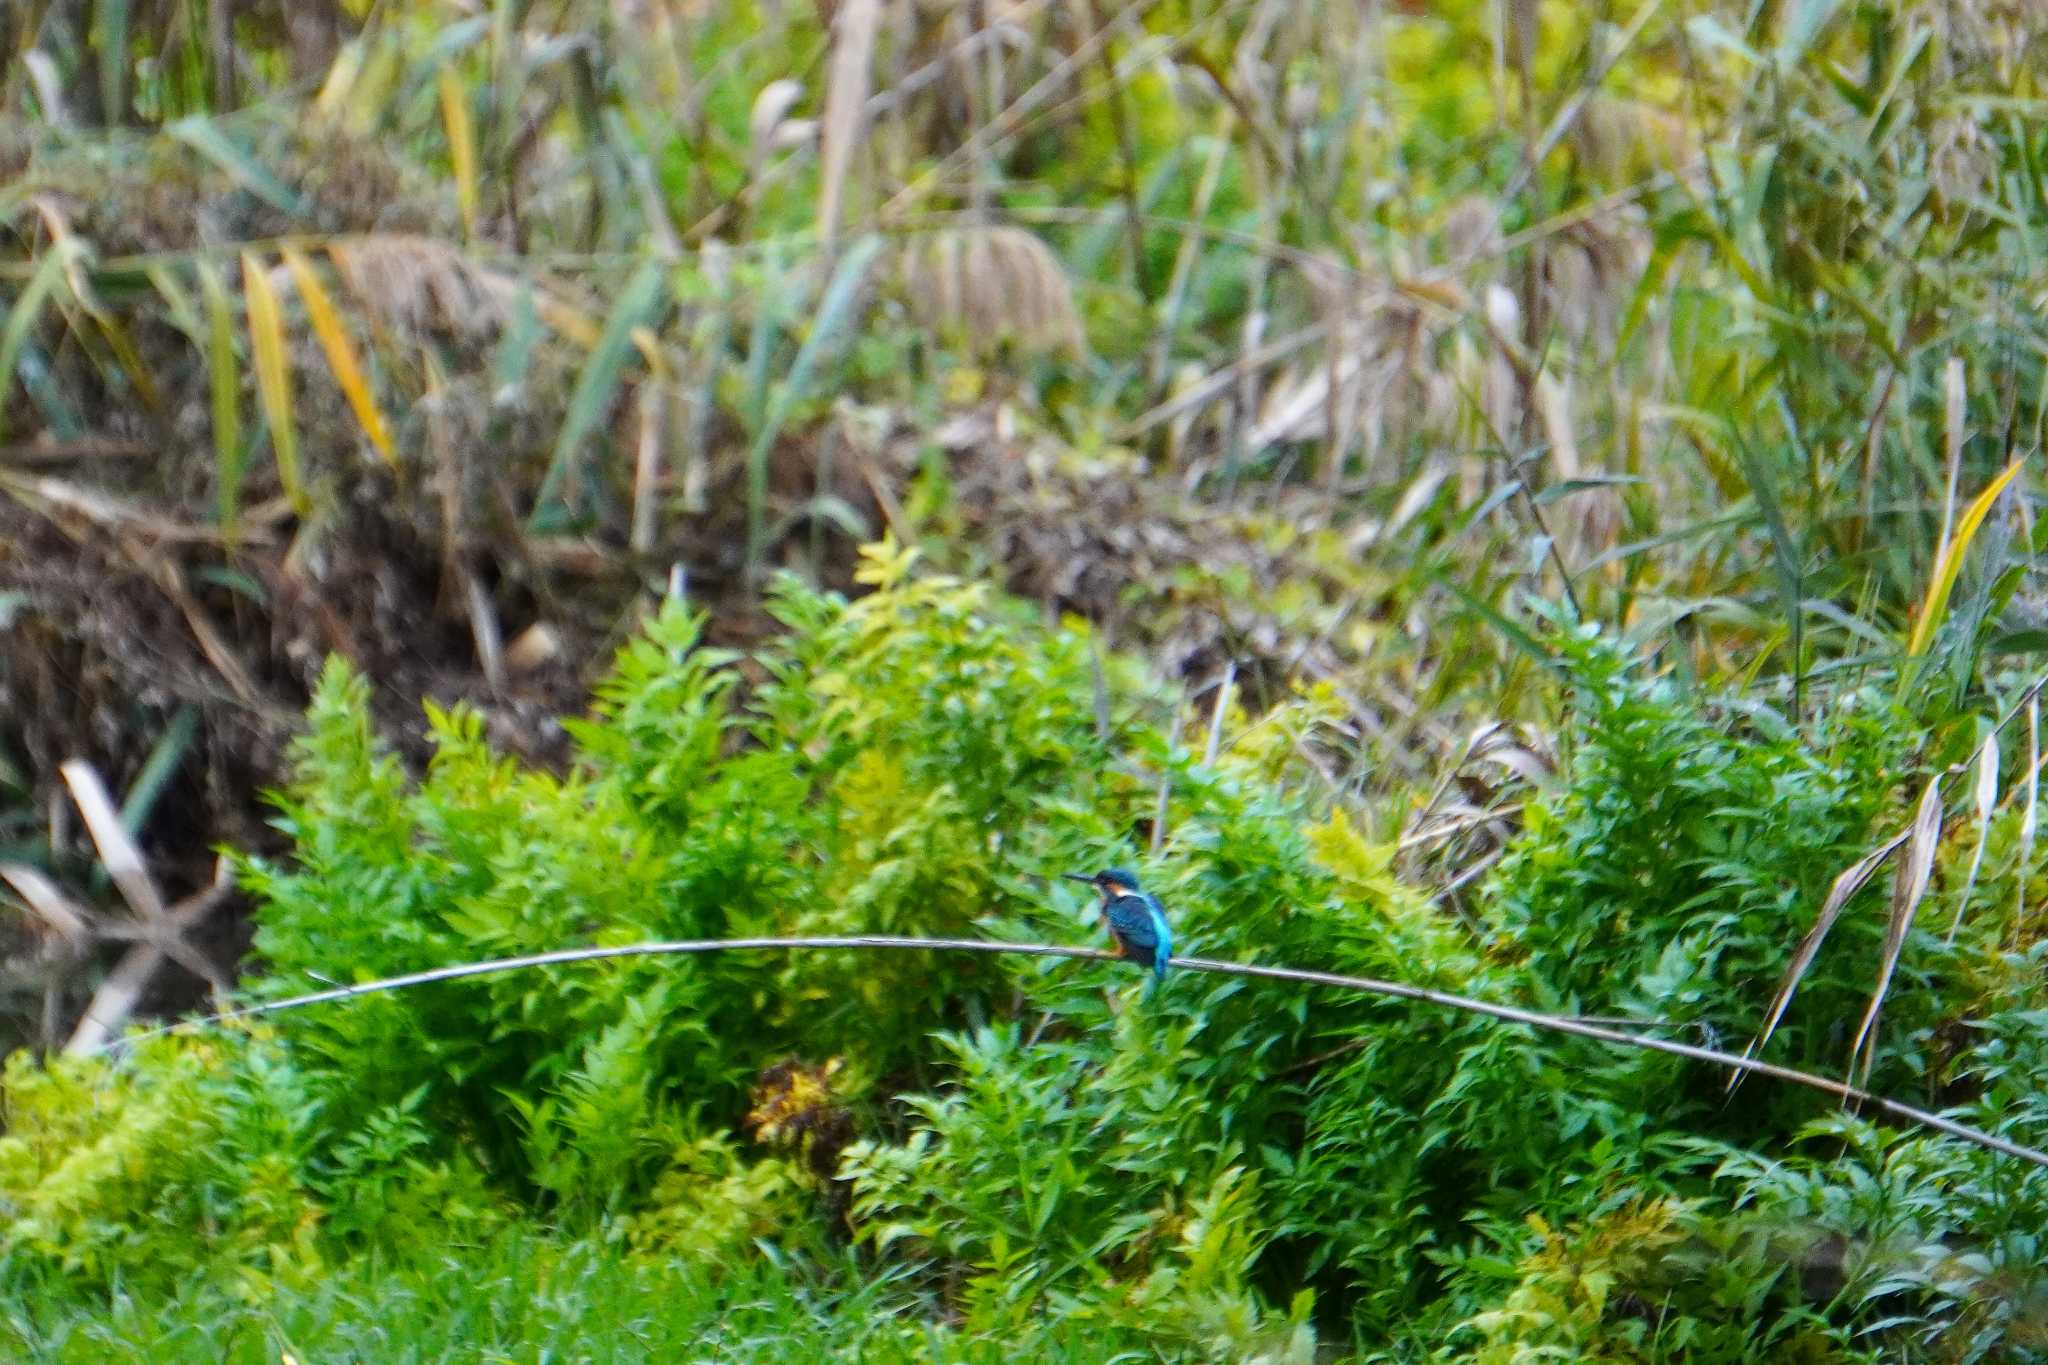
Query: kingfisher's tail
<point x="1162" y="953"/>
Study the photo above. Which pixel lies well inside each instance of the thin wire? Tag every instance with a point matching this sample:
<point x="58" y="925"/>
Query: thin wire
<point x="1369" y="985"/>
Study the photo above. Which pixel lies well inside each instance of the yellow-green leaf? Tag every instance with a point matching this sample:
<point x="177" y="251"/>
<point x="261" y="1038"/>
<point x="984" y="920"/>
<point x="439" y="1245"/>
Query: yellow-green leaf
<point x="273" y="379"/>
<point x="341" y="354"/>
<point x="1950" y="562"/>
<point x="461" y="143"/>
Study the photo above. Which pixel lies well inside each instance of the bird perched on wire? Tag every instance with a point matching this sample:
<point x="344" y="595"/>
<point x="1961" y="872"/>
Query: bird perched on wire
<point x="1137" y="923"/>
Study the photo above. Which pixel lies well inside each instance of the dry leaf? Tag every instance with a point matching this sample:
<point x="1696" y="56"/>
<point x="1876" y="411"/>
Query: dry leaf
<point x="1848" y="884"/>
<point x="1908" y="890"/>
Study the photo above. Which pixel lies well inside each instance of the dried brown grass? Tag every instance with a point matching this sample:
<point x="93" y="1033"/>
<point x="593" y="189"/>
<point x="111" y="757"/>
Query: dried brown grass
<point x="987" y="286"/>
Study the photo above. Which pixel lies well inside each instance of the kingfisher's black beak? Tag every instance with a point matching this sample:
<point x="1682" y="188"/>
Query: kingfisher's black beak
<point x="1087" y="877"/>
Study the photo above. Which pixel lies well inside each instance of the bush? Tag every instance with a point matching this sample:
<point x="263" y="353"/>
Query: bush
<point x="1016" y="1147"/>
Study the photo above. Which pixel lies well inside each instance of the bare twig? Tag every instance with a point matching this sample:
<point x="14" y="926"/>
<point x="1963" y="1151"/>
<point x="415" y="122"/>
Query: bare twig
<point x="154" y="941"/>
<point x="157" y="933"/>
<point x="1166" y="777"/>
<point x="1216" y="716"/>
<point x="1370" y="985"/>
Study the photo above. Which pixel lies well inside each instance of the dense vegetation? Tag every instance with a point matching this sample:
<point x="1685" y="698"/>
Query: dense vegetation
<point x="1528" y="501"/>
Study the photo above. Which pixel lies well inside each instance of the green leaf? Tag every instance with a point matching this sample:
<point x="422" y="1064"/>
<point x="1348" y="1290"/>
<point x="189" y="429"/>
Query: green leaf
<point x="204" y="136"/>
<point x="598" y="383"/>
<point x="27" y="310"/>
<point x="225" y="381"/>
<point x="110" y="36"/>
<point x="834" y="313"/>
<point x="157" y="770"/>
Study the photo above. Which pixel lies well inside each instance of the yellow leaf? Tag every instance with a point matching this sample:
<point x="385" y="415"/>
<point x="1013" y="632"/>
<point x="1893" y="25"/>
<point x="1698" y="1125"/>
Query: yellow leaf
<point x="341" y="79"/>
<point x="461" y="143"/>
<point x="341" y="355"/>
<point x="1950" y="562"/>
<point x="571" y="322"/>
<point x="273" y="379"/>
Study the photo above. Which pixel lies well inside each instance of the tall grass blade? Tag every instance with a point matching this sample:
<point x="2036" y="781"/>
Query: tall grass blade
<point x="274" y="380"/>
<point x="1786" y="556"/>
<point x="516" y="343"/>
<point x="110" y="36"/>
<point x="599" y="381"/>
<point x="1952" y="442"/>
<point x="2030" y="818"/>
<point x="159" y="768"/>
<point x="204" y="136"/>
<point x="461" y="144"/>
<point x="225" y="380"/>
<point x="341" y="78"/>
<point x="129" y="356"/>
<point x="835" y="311"/>
<point x="49" y="396"/>
<point x="179" y="301"/>
<point x="1935" y="605"/>
<point x="1986" y="801"/>
<point x="854" y="26"/>
<point x="41" y="896"/>
<point x="771" y="306"/>
<point x="1909" y="888"/>
<point x="23" y="318"/>
<point x="341" y="353"/>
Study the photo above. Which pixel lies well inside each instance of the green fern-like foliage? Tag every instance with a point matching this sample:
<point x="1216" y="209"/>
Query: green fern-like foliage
<point x="1003" y="1149"/>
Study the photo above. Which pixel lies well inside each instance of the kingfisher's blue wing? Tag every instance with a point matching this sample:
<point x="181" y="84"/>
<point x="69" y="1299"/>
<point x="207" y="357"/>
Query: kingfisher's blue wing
<point x="1132" y="921"/>
<point x="1140" y="926"/>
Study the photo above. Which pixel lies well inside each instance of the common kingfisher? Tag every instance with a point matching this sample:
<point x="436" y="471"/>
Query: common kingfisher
<point x="1136" y="920"/>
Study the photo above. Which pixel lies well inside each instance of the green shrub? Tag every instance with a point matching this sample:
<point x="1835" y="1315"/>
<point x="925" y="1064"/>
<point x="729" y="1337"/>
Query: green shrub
<point x="1020" y="1148"/>
<point x="186" y="1158"/>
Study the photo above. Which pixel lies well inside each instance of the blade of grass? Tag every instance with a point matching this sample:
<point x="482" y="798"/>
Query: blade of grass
<point x="158" y="769"/>
<point x="599" y="381"/>
<point x="1786" y="557"/>
<point x="225" y="380"/>
<point x="129" y="357"/>
<point x="515" y="344"/>
<point x="1987" y="802"/>
<point x="49" y="396"/>
<point x="183" y="314"/>
<point x="1935" y="605"/>
<point x="27" y="309"/>
<point x="2030" y="816"/>
<point x="42" y="897"/>
<point x="461" y="144"/>
<point x="341" y="354"/>
<point x="1908" y="890"/>
<point x="1512" y="632"/>
<point x="1952" y="442"/>
<point x="110" y="36"/>
<point x="274" y="380"/>
<point x="854" y="26"/>
<point x="203" y="136"/>
<point x="835" y="310"/>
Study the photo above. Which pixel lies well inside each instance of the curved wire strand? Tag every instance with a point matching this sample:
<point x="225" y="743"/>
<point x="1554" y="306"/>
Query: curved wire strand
<point x="1580" y="1028"/>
